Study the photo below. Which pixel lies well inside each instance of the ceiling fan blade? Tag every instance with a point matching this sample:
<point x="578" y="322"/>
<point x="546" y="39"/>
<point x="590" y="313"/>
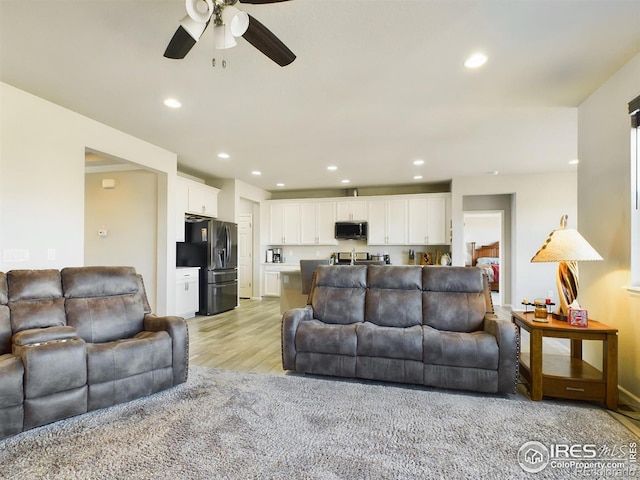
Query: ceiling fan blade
<point x="264" y="40"/>
<point x="180" y="44"/>
<point x="260" y="2"/>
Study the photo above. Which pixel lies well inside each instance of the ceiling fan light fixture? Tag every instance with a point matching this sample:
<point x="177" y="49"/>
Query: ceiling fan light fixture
<point x="196" y="10"/>
<point x="223" y="37"/>
<point x="236" y="20"/>
<point x="193" y="28"/>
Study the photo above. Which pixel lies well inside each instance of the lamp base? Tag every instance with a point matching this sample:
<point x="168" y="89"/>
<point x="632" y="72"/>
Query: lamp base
<point x="559" y="316"/>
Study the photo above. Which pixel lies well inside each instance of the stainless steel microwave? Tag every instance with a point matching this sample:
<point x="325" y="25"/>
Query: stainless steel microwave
<point x="351" y="230"/>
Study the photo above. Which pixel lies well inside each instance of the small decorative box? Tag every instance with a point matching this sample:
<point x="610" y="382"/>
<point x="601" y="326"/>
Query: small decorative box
<point x="578" y="317"/>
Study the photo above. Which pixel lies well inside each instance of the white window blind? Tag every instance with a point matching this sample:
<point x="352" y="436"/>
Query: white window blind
<point x="634" y="111"/>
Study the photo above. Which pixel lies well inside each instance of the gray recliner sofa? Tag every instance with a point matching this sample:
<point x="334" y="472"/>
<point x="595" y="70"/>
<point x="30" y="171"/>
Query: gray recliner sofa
<point x="80" y="339"/>
<point x="426" y="325"/>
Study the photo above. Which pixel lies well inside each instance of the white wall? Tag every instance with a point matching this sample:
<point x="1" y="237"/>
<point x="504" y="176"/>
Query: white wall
<point x="129" y="214"/>
<point x="42" y="156"/>
<point x="540" y="201"/>
<point x="604" y="217"/>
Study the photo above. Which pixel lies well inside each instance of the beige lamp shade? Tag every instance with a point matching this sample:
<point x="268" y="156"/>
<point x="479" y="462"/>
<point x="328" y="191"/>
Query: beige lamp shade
<point x="567" y="246"/>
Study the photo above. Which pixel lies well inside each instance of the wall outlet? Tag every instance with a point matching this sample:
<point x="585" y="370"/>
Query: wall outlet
<point x="103" y="232"/>
<point x="15" y="255"/>
<point x="51" y="253"/>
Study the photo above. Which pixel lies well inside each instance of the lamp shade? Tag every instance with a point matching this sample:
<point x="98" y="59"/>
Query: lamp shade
<point x="223" y="38"/>
<point x="199" y="10"/>
<point x="565" y="245"/>
<point x="236" y="20"/>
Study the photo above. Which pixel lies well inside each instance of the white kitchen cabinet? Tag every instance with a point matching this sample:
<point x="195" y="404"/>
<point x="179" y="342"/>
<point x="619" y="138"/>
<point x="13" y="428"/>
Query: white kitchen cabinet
<point x="429" y="220"/>
<point x="271" y="273"/>
<point x="187" y="291"/>
<point x="351" y="211"/>
<point x="193" y="198"/>
<point x="181" y="207"/>
<point x="271" y="283"/>
<point x="388" y="222"/>
<point x="317" y="222"/>
<point x="284" y="223"/>
<point x="203" y="200"/>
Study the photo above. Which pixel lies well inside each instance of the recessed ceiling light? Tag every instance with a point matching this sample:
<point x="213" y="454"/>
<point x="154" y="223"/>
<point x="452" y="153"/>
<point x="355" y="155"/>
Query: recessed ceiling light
<point x="256" y="172"/>
<point x="492" y="172"/>
<point x="333" y="168"/>
<point x="172" y="103"/>
<point x="476" y="60"/>
<point x="279" y="184"/>
<point x="417" y="177"/>
<point x="418" y="162"/>
<point x="223" y="155"/>
<point x="345" y="181"/>
<point x="574" y="162"/>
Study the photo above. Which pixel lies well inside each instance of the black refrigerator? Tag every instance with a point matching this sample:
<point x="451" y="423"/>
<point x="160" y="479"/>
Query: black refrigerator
<point x="213" y="246"/>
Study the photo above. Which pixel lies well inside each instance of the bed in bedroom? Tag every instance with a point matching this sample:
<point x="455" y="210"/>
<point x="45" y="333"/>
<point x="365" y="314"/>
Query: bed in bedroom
<point x="487" y="257"/>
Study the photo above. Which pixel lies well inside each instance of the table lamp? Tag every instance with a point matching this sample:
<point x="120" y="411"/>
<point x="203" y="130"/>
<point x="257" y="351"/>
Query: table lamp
<point x="566" y="246"/>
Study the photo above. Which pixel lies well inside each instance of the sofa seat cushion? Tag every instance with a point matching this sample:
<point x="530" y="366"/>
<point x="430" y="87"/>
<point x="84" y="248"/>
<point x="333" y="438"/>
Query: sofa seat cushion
<point x="127" y="357"/>
<point x="318" y="337"/>
<point x="389" y="342"/>
<point x="11" y="373"/>
<point x="458" y="349"/>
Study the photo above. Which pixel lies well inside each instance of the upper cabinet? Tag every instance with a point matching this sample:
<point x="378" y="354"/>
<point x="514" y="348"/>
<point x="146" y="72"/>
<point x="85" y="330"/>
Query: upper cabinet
<point x="193" y="198"/>
<point x="429" y="218"/>
<point x="284" y="223"/>
<point x="421" y="219"/>
<point x="203" y="200"/>
<point x="317" y="222"/>
<point x="387" y="221"/>
<point x="351" y="211"/>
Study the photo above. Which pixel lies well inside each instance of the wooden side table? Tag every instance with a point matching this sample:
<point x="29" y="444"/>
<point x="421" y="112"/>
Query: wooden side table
<point x="569" y="376"/>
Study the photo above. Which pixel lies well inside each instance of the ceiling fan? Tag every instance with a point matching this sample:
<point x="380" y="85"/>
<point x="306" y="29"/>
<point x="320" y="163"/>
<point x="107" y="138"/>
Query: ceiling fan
<point x="228" y="23"/>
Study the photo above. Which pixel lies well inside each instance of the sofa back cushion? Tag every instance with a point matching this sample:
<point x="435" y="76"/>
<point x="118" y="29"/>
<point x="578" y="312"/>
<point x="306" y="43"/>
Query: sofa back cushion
<point x="5" y="322"/>
<point x="103" y="303"/>
<point x="338" y="294"/>
<point x="35" y="299"/>
<point x="394" y="297"/>
<point x="453" y="298"/>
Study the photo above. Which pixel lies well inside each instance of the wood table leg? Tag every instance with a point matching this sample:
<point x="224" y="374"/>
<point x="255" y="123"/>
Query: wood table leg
<point x="610" y="369"/>
<point x="535" y="345"/>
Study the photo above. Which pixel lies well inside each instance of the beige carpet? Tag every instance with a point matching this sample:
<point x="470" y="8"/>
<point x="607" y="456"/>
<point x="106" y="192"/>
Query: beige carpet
<point x="230" y="425"/>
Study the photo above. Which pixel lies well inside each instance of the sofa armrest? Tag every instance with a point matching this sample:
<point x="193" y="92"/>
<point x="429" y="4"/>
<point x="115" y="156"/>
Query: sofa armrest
<point x="177" y="329"/>
<point x="38" y="336"/>
<point x="290" y="321"/>
<point x="506" y="334"/>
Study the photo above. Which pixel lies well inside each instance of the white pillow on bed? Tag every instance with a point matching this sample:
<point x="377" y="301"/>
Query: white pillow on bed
<point x="487" y="261"/>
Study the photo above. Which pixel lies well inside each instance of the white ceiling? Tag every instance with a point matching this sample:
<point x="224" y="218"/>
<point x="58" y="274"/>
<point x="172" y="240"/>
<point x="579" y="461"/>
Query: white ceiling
<point x="376" y="84"/>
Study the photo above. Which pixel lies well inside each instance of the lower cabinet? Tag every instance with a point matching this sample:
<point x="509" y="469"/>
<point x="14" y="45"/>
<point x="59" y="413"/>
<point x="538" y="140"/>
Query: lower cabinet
<point x="271" y="273"/>
<point x="187" y="291"/>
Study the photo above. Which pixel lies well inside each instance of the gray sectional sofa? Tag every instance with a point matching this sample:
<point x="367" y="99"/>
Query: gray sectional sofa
<point x="422" y="325"/>
<point x="81" y="339"/>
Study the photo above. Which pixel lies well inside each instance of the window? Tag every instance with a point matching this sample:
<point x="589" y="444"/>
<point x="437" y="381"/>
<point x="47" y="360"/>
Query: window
<point x="634" y="110"/>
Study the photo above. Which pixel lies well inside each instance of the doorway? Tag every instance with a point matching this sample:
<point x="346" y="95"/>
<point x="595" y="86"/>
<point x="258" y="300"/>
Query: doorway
<point x="484" y="247"/>
<point x="245" y="255"/>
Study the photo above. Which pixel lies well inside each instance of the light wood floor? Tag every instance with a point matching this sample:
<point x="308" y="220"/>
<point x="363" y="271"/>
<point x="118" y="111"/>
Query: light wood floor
<point x="245" y="339"/>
